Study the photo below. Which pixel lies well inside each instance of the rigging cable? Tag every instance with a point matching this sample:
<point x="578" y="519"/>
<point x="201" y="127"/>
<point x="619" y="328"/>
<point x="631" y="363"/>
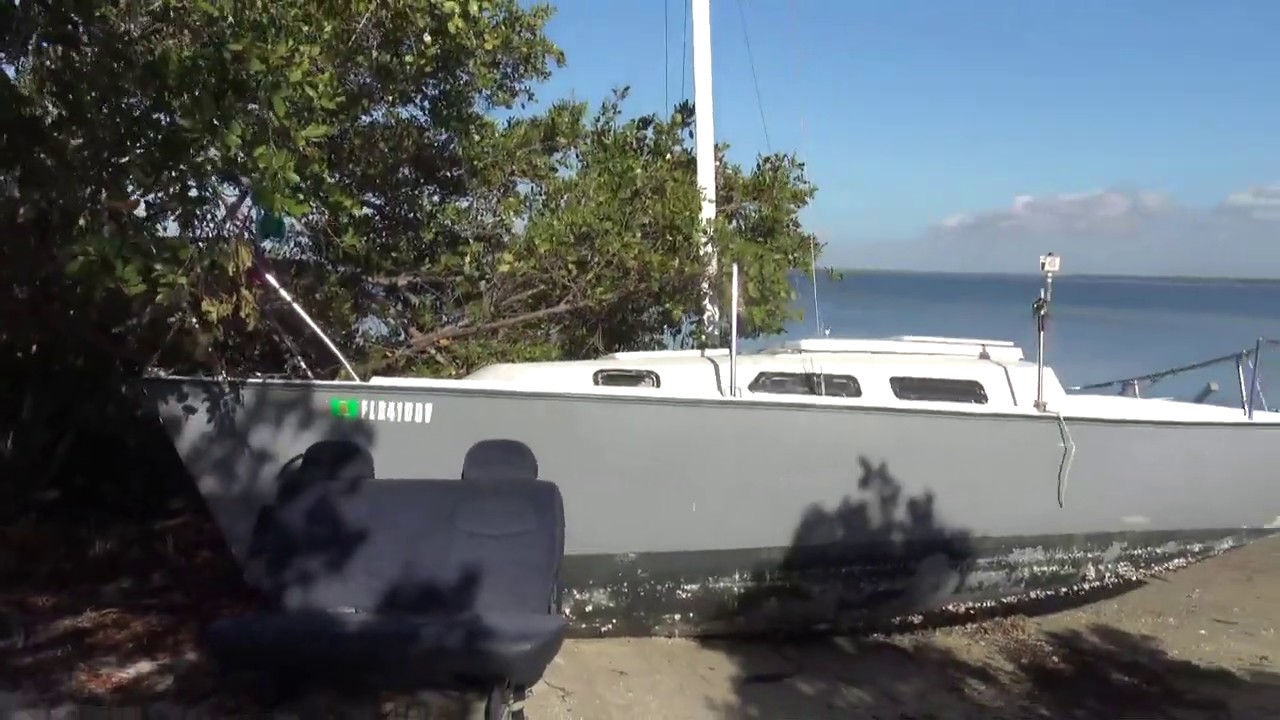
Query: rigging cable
<point x="666" y="55"/>
<point x="684" y="52"/>
<point x="755" y="80"/>
<point x="813" y="241"/>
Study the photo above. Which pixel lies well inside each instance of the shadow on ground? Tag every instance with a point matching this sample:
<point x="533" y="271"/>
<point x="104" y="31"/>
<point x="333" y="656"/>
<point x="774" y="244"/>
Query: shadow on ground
<point x="104" y="598"/>
<point x="1005" y="669"/>
<point x="935" y="665"/>
<point x="110" y="564"/>
<point x="123" y="616"/>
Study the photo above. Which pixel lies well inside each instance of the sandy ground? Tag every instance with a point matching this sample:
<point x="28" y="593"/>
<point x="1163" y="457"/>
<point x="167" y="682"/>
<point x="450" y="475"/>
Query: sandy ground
<point x="1198" y="643"/>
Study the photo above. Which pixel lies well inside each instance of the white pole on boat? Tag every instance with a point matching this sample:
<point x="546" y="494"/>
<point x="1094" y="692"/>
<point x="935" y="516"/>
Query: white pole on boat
<point x="705" y="148"/>
<point x="1040" y="309"/>
<point x="1049" y="264"/>
<point x="260" y="266"/>
<point x="1253" y="377"/>
<point x="733" y="334"/>
<point x="284" y="294"/>
<point x="813" y="273"/>
<point x="1244" y="395"/>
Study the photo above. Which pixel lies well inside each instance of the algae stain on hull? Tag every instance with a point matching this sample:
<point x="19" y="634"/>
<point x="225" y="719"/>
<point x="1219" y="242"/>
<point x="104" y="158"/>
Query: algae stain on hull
<point x="904" y="595"/>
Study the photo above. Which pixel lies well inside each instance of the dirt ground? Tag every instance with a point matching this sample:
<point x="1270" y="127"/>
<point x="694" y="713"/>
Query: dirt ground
<point x="1197" y="643"/>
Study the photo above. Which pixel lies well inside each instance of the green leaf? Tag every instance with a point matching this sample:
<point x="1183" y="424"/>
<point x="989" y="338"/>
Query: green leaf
<point x="296" y="207"/>
<point x="484" y="219"/>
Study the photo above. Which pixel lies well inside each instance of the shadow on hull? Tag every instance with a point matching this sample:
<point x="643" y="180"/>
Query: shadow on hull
<point x="880" y="559"/>
<point x="877" y="563"/>
<point x="874" y="588"/>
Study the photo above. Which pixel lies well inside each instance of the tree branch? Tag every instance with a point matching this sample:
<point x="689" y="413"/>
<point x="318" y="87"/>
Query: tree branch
<point x="405" y="278"/>
<point x="420" y="341"/>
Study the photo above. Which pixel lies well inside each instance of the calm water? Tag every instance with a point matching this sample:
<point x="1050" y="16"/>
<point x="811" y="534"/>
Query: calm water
<point x="1099" y="329"/>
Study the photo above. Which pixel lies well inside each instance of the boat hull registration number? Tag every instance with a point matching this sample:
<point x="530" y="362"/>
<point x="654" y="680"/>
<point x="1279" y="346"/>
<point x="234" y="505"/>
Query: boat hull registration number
<point x="397" y="411"/>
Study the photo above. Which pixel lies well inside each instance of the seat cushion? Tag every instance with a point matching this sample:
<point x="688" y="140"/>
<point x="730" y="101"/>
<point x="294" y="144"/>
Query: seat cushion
<point x="394" y="650"/>
<point x="447" y="578"/>
<point x="413" y="546"/>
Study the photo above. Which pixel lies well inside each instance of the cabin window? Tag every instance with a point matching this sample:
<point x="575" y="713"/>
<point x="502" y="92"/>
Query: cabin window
<point x="626" y="378"/>
<point x="779" y="383"/>
<point x="939" y="389"/>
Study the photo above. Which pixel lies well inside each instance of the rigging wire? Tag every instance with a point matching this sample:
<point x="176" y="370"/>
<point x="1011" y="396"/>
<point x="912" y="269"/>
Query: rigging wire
<point x="755" y="79"/>
<point x="684" y="52"/>
<point x="813" y="241"/>
<point x="666" y="55"/>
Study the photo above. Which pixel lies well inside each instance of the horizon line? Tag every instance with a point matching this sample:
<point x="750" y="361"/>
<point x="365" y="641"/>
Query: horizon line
<point x="1057" y="276"/>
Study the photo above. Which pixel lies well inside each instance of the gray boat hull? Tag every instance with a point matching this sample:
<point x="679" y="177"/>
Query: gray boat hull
<point x="708" y="516"/>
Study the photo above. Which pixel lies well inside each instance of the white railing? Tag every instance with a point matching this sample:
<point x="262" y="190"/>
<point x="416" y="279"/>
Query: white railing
<point x="1248" y="377"/>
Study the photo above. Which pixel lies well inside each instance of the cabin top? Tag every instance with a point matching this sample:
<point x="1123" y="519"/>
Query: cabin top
<point x="957" y="374"/>
<point x="896" y="345"/>
<point x="868" y="371"/>
<point x="999" y="350"/>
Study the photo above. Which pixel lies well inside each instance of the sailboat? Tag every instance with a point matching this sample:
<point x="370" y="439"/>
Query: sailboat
<point x="815" y="483"/>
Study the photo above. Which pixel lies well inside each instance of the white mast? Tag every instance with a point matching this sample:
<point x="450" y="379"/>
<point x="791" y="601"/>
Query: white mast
<point x="705" y="145"/>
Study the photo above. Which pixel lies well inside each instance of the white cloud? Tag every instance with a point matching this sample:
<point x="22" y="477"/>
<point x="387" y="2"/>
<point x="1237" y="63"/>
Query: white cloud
<point x="1101" y="231"/>
<point x="1256" y="203"/>
<point x="1102" y="212"/>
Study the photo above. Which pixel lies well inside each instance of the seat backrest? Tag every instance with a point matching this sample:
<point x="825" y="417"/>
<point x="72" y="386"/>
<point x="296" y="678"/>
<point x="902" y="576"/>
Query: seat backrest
<point x="341" y="461"/>
<point x="500" y="459"/>
<point x="299" y="529"/>
<point x="415" y="546"/>
<point x="510" y="535"/>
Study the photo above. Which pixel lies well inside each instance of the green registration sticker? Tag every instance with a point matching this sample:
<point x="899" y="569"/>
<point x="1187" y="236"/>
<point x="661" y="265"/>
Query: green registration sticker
<point x="345" y="407"/>
<point x="396" y="411"/>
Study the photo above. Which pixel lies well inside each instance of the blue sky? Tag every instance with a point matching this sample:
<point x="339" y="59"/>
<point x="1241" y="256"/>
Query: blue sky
<point x="1134" y="136"/>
